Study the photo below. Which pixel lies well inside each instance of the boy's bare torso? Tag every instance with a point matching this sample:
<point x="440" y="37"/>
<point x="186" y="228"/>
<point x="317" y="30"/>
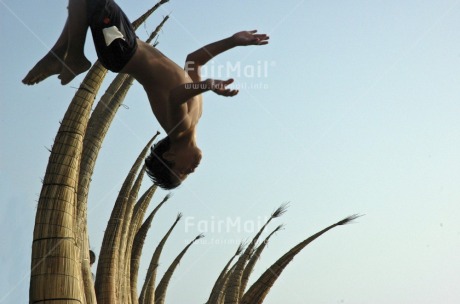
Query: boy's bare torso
<point x="159" y="75"/>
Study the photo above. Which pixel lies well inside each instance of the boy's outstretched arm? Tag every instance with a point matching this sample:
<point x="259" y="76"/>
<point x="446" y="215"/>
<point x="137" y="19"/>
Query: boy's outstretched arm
<point x="186" y="91"/>
<point x="201" y="56"/>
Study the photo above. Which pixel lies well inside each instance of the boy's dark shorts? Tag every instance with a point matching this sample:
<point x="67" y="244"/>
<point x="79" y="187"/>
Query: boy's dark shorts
<point x="113" y="34"/>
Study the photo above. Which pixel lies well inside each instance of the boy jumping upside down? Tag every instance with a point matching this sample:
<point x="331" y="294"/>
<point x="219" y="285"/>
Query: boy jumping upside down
<point x="174" y="93"/>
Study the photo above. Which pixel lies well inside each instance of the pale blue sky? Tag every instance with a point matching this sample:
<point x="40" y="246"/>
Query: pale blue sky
<point x="358" y="113"/>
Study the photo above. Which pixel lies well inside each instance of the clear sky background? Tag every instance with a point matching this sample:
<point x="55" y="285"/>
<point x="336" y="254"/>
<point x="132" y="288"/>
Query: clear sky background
<point x="357" y="112"/>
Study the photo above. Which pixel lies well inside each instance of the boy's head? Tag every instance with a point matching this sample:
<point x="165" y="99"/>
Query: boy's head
<point x="168" y="165"/>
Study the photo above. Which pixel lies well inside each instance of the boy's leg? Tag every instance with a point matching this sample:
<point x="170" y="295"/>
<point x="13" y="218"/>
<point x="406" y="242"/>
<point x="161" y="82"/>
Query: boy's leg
<point x="51" y="63"/>
<point x="75" y="61"/>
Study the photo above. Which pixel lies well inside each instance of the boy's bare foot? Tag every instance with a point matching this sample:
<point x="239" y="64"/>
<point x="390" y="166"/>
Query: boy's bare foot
<point x="72" y="67"/>
<point x="47" y="66"/>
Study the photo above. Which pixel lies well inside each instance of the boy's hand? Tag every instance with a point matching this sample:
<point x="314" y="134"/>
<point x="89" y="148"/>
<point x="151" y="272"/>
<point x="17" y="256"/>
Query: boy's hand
<point x="220" y="87"/>
<point x="250" y="38"/>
